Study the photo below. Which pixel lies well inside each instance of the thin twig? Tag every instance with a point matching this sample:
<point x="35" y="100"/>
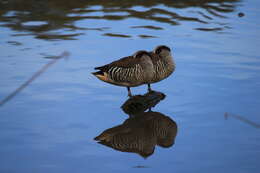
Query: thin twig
<point x="242" y="119"/>
<point x="34" y="76"/>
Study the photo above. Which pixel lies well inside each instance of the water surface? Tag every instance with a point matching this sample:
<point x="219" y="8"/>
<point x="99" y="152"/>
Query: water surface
<point x="50" y="126"/>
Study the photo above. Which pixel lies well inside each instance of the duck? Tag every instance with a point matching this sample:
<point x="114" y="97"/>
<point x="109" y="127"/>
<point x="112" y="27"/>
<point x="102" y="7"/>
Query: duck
<point x="163" y="63"/>
<point x="141" y="68"/>
<point x="130" y="71"/>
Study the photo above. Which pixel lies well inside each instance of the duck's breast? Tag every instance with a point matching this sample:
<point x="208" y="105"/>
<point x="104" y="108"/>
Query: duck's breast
<point x="164" y="67"/>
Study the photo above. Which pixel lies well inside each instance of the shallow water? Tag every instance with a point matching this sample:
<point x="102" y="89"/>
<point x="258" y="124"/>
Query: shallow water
<point x="50" y="125"/>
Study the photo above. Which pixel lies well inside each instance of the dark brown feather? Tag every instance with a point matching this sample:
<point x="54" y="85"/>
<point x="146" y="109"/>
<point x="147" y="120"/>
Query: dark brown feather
<point x="126" y="62"/>
<point x="154" y="57"/>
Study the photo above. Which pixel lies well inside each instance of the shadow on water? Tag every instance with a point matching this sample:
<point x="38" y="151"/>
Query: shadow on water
<point x="46" y="19"/>
<point x="142" y="131"/>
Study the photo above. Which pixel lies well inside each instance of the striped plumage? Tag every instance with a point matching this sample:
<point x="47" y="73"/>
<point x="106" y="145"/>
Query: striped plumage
<point x="163" y="63"/>
<point x="141" y="68"/>
<point x="129" y="71"/>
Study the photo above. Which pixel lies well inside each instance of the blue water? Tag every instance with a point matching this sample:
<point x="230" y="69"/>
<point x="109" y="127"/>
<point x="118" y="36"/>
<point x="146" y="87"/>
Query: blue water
<point x="50" y="125"/>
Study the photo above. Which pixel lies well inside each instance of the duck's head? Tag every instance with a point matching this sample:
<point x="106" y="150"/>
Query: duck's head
<point x="162" y="50"/>
<point x="141" y="53"/>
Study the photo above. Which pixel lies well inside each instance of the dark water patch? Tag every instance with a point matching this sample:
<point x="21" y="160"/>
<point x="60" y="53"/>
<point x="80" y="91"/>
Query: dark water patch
<point x="141" y="166"/>
<point x="54" y="37"/>
<point x="46" y="56"/>
<point x="15" y="43"/>
<point x="25" y="49"/>
<point x="106" y="17"/>
<point x="17" y="35"/>
<point x="148" y="27"/>
<point x="113" y="17"/>
<point x="218" y="8"/>
<point x="209" y="29"/>
<point x="214" y="13"/>
<point x="117" y="35"/>
<point x="74" y="28"/>
<point x="203" y="15"/>
<point x="146" y="36"/>
<point x="98" y="29"/>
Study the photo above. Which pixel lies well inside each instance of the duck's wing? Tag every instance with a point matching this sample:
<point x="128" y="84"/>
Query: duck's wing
<point x="129" y="69"/>
<point x="125" y="69"/>
<point x="126" y="62"/>
<point x="138" y="58"/>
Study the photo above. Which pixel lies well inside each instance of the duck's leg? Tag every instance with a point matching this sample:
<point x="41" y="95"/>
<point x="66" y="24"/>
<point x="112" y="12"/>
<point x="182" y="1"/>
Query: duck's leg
<point x="129" y="92"/>
<point x="149" y="87"/>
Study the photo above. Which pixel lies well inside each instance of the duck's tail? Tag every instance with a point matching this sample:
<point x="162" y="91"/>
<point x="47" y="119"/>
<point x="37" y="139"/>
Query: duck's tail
<point x="101" y="75"/>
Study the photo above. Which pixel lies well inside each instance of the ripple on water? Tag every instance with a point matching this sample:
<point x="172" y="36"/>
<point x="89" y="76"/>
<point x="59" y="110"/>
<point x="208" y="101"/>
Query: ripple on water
<point x="61" y="112"/>
<point x="39" y="17"/>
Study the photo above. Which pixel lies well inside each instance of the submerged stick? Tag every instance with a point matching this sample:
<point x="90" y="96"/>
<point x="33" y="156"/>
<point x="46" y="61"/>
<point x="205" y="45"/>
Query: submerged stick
<point x="226" y="115"/>
<point x="34" y="76"/>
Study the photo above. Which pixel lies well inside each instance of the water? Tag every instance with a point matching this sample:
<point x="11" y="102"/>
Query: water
<point x="50" y="126"/>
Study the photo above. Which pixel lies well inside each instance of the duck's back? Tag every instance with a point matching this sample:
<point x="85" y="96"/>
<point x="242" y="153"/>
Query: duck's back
<point x="127" y="71"/>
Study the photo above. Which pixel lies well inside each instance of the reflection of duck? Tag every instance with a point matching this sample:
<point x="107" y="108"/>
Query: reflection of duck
<point x="143" y="131"/>
<point x="141" y="68"/>
<point x="141" y="134"/>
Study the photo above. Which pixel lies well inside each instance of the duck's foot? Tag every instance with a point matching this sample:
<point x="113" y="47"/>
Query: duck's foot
<point x="149" y="88"/>
<point x="129" y="92"/>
